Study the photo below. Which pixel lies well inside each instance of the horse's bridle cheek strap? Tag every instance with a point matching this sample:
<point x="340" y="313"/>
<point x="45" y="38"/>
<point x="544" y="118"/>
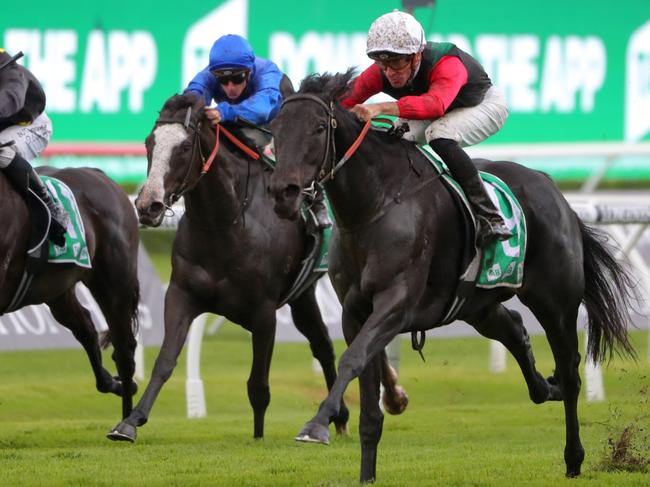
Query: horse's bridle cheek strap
<point x="330" y="147"/>
<point x="331" y="125"/>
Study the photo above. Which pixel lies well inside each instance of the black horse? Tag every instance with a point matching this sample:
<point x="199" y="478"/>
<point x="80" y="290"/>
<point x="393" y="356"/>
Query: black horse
<point x="231" y="256"/>
<point x="112" y="236"/>
<point x="395" y="261"/>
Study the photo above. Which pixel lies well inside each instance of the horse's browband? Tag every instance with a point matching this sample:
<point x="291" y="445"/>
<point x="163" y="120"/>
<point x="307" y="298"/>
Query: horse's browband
<point x="188" y="122"/>
<point x="308" y="96"/>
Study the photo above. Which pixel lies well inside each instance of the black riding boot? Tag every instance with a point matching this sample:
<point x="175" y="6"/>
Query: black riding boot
<point x="320" y="212"/>
<point x="490" y="224"/>
<point x="23" y="177"/>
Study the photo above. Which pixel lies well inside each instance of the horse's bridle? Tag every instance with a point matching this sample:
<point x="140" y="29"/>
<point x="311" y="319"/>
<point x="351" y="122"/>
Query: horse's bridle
<point x="189" y="123"/>
<point x="329" y="157"/>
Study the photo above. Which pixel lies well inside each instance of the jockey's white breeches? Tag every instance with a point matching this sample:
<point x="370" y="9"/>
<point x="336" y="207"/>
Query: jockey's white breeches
<point x="28" y="140"/>
<point x="467" y="126"/>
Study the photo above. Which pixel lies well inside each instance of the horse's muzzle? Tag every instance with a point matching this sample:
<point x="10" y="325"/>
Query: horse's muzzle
<point x="287" y="200"/>
<point x="151" y="214"/>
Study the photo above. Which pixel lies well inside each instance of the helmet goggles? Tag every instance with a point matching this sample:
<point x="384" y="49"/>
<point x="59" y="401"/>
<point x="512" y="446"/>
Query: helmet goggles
<point x="391" y="60"/>
<point x="230" y="75"/>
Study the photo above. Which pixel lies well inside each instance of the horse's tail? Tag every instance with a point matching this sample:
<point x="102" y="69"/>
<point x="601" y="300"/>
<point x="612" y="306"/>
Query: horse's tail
<point x="608" y="296"/>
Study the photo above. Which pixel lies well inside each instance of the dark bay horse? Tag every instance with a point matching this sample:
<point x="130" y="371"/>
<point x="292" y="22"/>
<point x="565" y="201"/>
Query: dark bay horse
<point x="232" y="255"/>
<point x="395" y="260"/>
<point x="112" y="236"/>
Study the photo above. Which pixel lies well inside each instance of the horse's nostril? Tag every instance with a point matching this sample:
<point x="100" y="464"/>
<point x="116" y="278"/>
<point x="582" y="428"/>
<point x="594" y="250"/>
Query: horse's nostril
<point x="291" y="191"/>
<point x="156" y="208"/>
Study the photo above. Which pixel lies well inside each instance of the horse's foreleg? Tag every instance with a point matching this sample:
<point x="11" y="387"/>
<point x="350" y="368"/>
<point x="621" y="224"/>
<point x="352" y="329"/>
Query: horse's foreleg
<point x="384" y="323"/>
<point x="259" y="395"/>
<point x="371" y="420"/>
<point x="506" y="326"/>
<point x="179" y="313"/>
<point x="67" y="310"/>
<point x="308" y="320"/>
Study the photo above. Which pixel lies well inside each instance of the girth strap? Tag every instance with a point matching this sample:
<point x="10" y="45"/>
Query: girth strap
<point x="418" y="343"/>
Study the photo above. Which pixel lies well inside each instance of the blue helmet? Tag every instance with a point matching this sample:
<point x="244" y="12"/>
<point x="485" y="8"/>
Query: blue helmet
<point x="231" y="51"/>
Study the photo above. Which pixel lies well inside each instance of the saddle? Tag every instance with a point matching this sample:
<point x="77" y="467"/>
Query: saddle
<point x="254" y="137"/>
<point x="498" y="264"/>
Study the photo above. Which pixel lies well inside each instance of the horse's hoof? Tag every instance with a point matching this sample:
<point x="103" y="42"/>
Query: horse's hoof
<point x="571" y="473"/>
<point x="314" y="433"/>
<point x="123" y="432"/>
<point x="395" y="404"/>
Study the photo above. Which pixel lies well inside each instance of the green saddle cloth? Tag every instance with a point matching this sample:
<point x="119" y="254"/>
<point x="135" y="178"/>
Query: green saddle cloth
<point x="75" y="250"/>
<point x="323" y="260"/>
<point x="503" y="261"/>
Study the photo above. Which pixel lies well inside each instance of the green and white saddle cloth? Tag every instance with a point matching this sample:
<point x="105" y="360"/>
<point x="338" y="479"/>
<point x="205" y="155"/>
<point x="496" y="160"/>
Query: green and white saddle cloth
<point x="75" y="250"/>
<point x="321" y="260"/>
<point x="502" y="262"/>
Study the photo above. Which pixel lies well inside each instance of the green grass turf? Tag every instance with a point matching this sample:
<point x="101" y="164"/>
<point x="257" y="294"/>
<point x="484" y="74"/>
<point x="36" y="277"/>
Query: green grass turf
<point x="463" y="426"/>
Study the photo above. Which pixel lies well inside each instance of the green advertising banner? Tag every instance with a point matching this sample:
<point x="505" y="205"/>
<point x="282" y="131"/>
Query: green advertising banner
<point x="571" y="71"/>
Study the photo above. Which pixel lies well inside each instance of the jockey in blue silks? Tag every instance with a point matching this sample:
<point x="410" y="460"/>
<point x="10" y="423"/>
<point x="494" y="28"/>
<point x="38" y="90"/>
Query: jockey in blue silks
<point x="242" y="85"/>
<point x="246" y="86"/>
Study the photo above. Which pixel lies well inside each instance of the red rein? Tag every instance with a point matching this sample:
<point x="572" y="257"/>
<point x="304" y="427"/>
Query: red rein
<point x="240" y="145"/>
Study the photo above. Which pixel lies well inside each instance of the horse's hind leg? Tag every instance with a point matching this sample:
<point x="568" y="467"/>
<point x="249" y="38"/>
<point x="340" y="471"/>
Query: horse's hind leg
<point x="117" y="297"/>
<point x="559" y="319"/>
<point x="180" y="310"/>
<point x="67" y="310"/>
<point x="505" y="326"/>
<point x="308" y="320"/>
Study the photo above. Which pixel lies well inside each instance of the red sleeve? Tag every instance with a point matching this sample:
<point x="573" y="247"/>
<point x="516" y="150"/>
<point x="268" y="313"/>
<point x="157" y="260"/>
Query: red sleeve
<point x="364" y="86"/>
<point x="446" y="79"/>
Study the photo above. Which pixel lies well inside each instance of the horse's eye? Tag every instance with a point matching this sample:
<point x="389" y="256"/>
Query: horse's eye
<point x="186" y="145"/>
<point x="321" y="127"/>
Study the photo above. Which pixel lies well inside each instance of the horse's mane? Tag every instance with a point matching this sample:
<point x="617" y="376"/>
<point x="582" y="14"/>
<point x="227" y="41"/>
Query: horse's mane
<point x="332" y="86"/>
<point x="179" y="102"/>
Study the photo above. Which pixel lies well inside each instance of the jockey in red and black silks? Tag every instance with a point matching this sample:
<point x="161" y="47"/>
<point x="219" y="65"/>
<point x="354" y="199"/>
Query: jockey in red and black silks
<point x="449" y="77"/>
<point x="444" y="95"/>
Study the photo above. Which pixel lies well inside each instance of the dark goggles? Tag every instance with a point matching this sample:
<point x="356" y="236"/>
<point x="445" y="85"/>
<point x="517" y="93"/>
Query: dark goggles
<point x="225" y="77"/>
<point x="392" y="61"/>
